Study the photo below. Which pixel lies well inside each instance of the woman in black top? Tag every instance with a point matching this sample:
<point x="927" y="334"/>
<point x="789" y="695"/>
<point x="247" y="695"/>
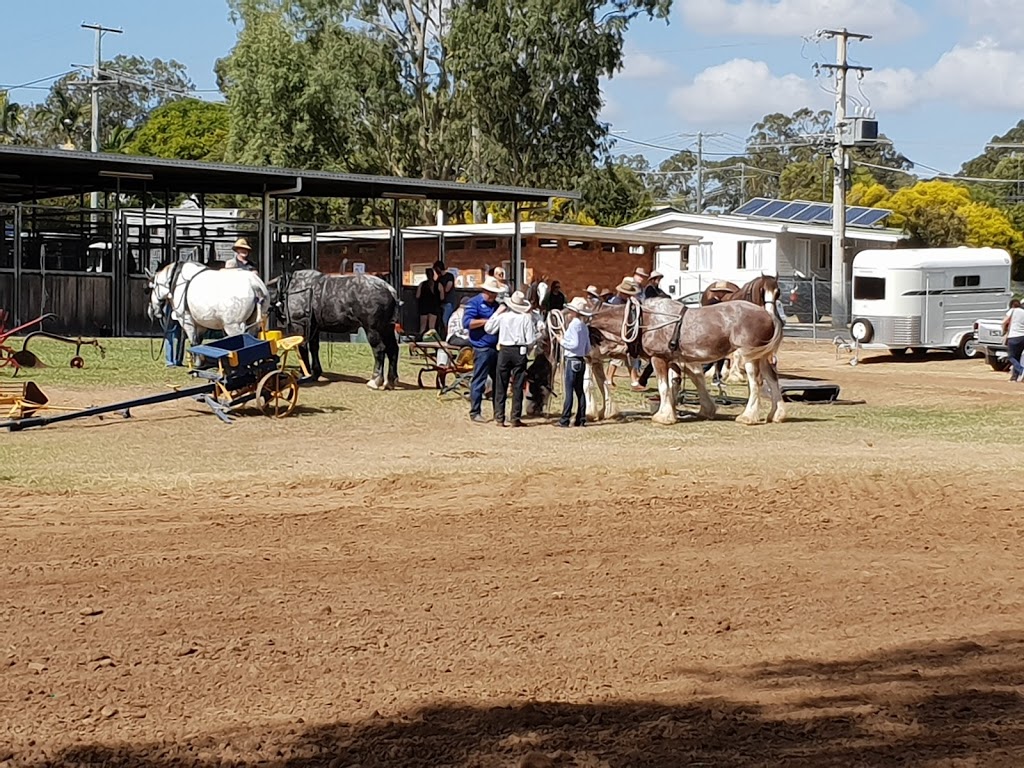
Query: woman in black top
<point x="428" y="300"/>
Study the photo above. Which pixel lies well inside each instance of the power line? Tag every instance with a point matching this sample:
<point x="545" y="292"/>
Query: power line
<point x="31" y="83"/>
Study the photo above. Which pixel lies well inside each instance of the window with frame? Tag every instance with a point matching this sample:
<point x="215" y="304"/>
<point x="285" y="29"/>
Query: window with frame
<point x="868" y="288"/>
<point x="750" y="254"/>
<point x="670" y="259"/>
<point x="802" y="260"/>
<point x="486" y="245"/>
<point x="702" y="260"/>
<point x="966" y="281"/>
<point x="823" y="258"/>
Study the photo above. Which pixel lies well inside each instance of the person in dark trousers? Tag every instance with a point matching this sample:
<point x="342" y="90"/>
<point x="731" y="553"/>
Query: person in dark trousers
<point x="575" y="348"/>
<point x="428" y="301"/>
<point x="446" y="292"/>
<point x="517" y="333"/>
<point x="478" y="311"/>
<point x="1013" y="329"/>
<point x="652" y="291"/>
<point x="174" y="339"/>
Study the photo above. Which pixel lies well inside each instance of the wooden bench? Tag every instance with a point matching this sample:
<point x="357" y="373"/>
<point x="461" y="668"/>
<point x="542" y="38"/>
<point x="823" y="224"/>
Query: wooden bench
<point x="439" y="358"/>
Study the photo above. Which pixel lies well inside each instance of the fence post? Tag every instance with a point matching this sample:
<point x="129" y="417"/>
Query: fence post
<point x="814" y="308"/>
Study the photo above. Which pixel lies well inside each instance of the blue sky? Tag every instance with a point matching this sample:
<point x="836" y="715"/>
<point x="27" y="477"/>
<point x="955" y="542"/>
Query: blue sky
<point x="948" y="74"/>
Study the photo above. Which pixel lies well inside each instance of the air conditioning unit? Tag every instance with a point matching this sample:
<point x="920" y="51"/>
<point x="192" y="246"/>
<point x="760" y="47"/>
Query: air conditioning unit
<point x="858" y="132"/>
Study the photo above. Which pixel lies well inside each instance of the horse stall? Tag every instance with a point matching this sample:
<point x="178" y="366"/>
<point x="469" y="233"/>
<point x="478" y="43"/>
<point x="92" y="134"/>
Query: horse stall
<point x="64" y="265"/>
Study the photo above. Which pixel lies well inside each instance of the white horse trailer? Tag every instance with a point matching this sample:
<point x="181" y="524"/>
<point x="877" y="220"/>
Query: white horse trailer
<point x="927" y="298"/>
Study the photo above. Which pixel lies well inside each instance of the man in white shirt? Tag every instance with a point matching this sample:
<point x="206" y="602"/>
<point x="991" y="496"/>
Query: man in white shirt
<point x="1013" y="329"/>
<point x="517" y="333"/>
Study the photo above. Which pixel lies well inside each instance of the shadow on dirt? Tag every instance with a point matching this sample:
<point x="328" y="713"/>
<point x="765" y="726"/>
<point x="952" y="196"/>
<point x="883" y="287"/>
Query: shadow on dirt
<point x="957" y="703"/>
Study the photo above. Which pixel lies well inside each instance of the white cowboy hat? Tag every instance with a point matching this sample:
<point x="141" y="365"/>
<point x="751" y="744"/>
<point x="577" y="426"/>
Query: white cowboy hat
<point x="592" y="290"/>
<point x="642" y="272"/>
<point x="490" y="285"/>
<point x="517" y="302"/>
<point x="655" y="275"/>
<point x="241" y="243"/>
<point x="628" y="286"/>
<point x="578" y="305"/>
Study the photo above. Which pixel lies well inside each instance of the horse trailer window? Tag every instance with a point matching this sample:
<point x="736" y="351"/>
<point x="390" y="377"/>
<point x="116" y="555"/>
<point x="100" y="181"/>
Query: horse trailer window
<point x="966" y="281"/>
<point x="869" y="288"/>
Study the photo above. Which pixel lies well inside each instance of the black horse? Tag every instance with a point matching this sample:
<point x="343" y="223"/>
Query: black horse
<point x="308" y="302"/>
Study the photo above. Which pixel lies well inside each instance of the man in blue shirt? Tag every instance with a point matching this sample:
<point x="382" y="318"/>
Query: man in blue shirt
<point x="575" y="347"/>
<point x="485" y="345"/>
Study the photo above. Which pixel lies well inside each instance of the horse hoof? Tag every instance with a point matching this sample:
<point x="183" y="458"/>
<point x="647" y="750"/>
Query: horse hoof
<point x="373" y="384"/>
<point x="665" y="419"/>
<point x="746" y="420"/>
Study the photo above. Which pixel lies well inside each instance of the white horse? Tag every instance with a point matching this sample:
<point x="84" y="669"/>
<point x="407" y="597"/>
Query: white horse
<point x="203" y="299"/>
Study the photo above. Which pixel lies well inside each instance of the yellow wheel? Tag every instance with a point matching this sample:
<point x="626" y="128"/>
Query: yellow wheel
<point x="277" y="394"/>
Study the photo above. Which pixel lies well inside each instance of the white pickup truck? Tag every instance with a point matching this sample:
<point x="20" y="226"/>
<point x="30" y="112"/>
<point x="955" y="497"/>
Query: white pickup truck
<point x="988" y="335"/>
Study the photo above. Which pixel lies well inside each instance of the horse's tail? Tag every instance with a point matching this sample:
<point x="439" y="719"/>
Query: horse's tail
<point x="772" y="345"/>
<point x="396" y="312"/>
<point x="261" y="295"/>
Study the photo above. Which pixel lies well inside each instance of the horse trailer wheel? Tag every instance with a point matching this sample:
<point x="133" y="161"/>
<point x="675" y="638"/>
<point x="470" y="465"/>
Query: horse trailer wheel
<point x="277" y="394"/>
<point x="77" y="362"/>
<point x="968" y="348"/>
<point x="861" y="330"/>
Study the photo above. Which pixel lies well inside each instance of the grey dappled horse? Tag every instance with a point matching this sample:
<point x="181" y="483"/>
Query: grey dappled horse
<point x="309" y="302"/>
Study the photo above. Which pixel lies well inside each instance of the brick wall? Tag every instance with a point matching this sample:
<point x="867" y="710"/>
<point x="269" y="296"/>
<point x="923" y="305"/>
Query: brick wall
<point x="574" y="266"/>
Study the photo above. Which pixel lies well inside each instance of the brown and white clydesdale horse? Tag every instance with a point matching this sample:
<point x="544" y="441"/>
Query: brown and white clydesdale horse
<point x="690" y="338"/>
<point x="756" y="291"/>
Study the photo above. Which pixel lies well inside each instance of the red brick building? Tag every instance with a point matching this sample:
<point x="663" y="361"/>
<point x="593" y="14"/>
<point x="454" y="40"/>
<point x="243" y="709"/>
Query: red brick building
<point x="576" y="256"/>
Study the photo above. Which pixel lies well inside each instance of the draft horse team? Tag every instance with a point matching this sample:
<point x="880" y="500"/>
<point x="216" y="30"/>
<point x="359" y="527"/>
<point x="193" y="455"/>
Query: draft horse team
<point x="744" y="323"/>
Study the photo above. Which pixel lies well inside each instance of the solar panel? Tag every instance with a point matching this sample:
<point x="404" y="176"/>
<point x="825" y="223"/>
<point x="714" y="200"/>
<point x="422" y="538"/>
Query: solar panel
<point x="804" y="212"/>
<point x="768" y="211"/>
<point x="750" y="206"/>
<point x="790" y="212"/>
<point x="812" y="212"/>
<point x="872" y="217"/>
<point x="855" y="212"/>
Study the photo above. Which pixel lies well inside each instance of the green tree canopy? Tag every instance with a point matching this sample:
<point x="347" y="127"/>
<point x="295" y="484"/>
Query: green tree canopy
<point x="188" y="129"/>
<point x="498" y="91"/>
<point x="134" y="88"/>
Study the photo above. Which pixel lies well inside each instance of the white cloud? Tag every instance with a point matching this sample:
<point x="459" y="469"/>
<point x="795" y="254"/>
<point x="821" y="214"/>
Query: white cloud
<point x="610" y="110"/>
<point x="979" y="76"/>
<point x="887" y="89"/>
<point x="890" y="18"/>
<point x="742" y="90"/>
<point x="998" y="19"/>
<point x="643" y="66"/>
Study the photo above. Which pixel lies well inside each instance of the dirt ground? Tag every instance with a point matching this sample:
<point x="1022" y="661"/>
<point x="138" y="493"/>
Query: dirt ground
<point x="376" y="582"/>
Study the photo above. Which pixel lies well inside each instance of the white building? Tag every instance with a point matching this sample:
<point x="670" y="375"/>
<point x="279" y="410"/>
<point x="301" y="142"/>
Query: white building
<point x="739" y="247"/>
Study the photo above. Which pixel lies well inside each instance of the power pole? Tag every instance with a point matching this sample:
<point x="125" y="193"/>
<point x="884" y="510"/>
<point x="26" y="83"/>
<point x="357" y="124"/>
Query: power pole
<point x="700" y="172"/>
<point x="700" y="135"/>
<point x="840" y="292"/>
<point x="96" y="83"/>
